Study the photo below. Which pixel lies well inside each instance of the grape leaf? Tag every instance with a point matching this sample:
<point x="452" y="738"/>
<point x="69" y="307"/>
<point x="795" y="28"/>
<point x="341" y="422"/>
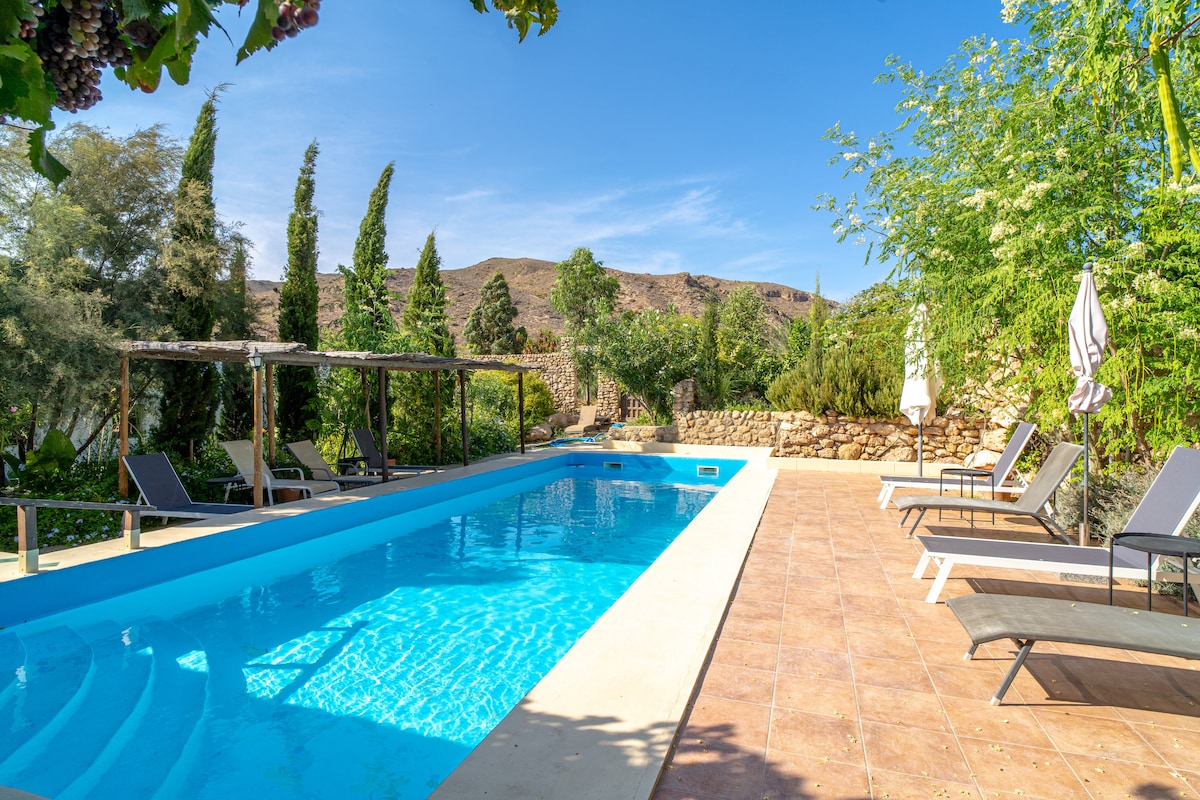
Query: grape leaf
<point x="24" y="92"/>
<point x="139" y="9"/>
<point x="259" y="35"/>
<point x="39" y="157"/>
<point x="11" y="14"/>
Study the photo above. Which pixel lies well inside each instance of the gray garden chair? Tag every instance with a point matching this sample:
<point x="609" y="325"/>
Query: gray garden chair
<point x="998" y="479"/>
<point x="1031" y="504"/>
<point x="1167" y="506"/>
<point x="159" y="485"/>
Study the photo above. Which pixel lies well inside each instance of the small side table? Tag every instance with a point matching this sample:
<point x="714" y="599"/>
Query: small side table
<point x="1163" y="544"/>
<point x="963" y="473"/>
<point x="230" y="482"/>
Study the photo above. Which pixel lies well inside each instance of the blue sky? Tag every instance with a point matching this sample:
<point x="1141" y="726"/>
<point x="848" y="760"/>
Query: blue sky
<point x="666" y="136"/>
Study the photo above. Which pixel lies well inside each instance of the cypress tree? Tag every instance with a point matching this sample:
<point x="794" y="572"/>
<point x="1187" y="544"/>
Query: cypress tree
<point x="489" y="327"/>
<point x="237" y="321"/>
<point x="188" y="407"/>
<point x="712" y="384"/>
<point x="299" y="414"/>
<point x="367" y="323"/>
<point x="427" y="329"/>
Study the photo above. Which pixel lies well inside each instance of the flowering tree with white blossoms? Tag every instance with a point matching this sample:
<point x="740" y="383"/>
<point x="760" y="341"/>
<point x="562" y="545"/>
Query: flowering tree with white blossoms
<point x="1016" y="171"/>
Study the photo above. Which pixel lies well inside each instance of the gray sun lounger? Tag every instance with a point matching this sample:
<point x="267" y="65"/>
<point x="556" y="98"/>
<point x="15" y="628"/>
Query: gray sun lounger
<point x="159" y="485"/>
<point x="997" y="479"/>
<point x="371" y="460"/>
<point x="1031" y="504"/>
<point x="307" y="454"/>
<point x="1029" y="620"/>
<point x="1167" y="506"/>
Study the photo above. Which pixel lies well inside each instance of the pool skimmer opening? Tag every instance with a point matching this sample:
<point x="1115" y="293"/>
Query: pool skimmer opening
<point x="708" y="469"/>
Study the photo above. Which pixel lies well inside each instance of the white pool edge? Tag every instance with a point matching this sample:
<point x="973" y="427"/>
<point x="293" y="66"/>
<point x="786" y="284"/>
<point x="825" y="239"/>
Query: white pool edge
<point x="600" y="724"/>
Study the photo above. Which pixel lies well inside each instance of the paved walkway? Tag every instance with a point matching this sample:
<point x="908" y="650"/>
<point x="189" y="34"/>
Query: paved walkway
<point x="831" y="678"/>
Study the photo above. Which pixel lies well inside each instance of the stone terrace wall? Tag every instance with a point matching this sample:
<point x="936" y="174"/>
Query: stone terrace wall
<point x="949" y="439"/>
<point x="555" y="369"/>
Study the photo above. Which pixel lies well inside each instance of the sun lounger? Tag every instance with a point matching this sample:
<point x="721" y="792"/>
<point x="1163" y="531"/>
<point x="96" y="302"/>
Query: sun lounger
<point x="585" y="425"/>
<point x="241" y="451"/>
<point x="370" y="459"/>
<point x="1167" y="506"/>
<point x="1031" y="504"/>
<point x="997" y="479"/>
<point x="307" y="454"/>
<point x="1029" y="620"/>
<point x="159" y="485"/>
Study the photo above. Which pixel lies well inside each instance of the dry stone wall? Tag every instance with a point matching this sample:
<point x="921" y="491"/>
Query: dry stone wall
<point x="949" y="439"/>
<point x="555" y="370"/>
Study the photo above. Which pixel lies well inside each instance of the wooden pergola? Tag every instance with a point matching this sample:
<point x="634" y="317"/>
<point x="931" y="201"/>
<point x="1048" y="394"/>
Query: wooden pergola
<point x="264" y="356"/>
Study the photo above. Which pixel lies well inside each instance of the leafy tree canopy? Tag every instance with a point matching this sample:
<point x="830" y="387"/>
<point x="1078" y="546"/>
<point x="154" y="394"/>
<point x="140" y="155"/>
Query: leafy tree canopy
<point x="647" y="352"/>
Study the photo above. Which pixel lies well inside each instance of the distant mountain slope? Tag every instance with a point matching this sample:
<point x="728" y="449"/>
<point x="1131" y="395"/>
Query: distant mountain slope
<point x="530" y="281"/>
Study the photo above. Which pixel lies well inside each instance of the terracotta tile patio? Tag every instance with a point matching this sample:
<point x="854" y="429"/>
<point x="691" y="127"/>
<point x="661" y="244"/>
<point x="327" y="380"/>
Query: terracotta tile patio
<point x="832" y="678"/>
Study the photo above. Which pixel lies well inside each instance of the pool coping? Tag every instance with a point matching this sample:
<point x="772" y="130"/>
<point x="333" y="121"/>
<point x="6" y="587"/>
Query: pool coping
<point x="601" y="723"/>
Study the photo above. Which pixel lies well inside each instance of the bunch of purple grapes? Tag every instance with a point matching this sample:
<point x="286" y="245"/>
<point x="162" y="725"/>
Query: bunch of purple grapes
<point x="295" y="16"/>
<point x="75" y="39"/>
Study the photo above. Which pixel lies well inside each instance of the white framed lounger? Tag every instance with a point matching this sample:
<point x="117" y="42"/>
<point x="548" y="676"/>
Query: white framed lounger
<point x="1167" y="506"/>
<point x="1003" y="468"/>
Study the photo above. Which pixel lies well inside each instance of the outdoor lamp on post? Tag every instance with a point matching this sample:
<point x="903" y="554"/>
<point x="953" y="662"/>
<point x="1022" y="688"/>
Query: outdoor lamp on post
<point x="256" y="361"/>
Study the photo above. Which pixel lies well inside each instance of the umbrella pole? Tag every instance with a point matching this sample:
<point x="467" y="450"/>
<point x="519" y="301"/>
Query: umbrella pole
<point x="920" y="442"/>
<point x="1083" y="520"/>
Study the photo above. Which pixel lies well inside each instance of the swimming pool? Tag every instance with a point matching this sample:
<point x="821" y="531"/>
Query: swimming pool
<point x="361" y="663"/>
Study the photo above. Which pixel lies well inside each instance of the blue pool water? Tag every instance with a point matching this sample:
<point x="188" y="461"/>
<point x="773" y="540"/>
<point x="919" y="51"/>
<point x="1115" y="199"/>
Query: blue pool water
<point x="357" y="663"/>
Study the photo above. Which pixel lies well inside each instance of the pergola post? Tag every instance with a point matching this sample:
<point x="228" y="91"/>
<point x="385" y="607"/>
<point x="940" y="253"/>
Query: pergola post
<point x="437" y="417"/>
<point x="257" y="489"/>
<point x="383" y="448"/>
<point x="271" y="415"/>
<point x="123" y="430"/>
<point x="462" y="403"/>
<point x="521" y="409"/>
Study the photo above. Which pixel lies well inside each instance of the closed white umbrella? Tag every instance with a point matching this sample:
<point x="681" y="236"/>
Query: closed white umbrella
<point x="1087" y="335"/>
<point x="918" y="398"/>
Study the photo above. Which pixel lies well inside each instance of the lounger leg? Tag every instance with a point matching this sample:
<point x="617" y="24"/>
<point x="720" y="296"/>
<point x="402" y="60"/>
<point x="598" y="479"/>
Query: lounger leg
<point x="922" y="565"/>
<point x="913" y="529"/>
<point x="970" y="652"/>
<point x="1026" y="646"/>
<point x="885" y="495"/>
<point x="904" y="520"/>
<point x="939" y="581"/>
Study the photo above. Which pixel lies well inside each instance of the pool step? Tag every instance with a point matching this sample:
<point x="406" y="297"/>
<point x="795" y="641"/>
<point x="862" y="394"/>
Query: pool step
<point x="56" y="665"/>
<point x="157" y="731"/>
<point x="66" y="744"/>
<point x="12" y="660"/>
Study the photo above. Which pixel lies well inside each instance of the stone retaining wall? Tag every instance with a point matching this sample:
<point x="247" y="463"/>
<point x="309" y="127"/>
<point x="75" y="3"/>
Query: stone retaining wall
<point x="949" y="439"/>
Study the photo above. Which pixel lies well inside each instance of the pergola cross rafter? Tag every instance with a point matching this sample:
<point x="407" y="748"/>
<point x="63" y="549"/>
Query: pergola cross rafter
<point x="263" y="356"/>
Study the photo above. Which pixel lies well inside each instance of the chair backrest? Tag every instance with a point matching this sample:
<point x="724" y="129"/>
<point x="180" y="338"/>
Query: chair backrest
<point x="307" y="454"/>
<point x="587" y="416"/>
<point x="241" y="452"/>
<point x="368" y="448"/>
<point x="1008" y="459"/>
<point x="157" y="481"/>
<point x="1054" y="471"/>
<point x="1172" y="498"/>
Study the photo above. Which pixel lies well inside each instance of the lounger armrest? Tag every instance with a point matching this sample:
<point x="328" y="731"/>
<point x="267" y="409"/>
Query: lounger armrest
<point x="299" y="473"/>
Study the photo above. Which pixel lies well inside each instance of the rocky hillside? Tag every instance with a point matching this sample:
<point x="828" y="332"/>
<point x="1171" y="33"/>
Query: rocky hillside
<point x="530" y="281"/>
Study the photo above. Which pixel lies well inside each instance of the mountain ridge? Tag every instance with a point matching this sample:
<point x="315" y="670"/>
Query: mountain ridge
<point x="530" y="281"/>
